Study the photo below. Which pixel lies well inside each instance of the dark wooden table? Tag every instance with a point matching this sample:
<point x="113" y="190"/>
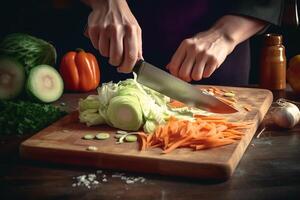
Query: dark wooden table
<point x="269" y="169"/>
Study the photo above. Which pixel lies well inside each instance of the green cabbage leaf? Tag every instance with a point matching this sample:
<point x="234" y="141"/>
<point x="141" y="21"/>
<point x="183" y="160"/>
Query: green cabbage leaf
<point x="130" y="106"/>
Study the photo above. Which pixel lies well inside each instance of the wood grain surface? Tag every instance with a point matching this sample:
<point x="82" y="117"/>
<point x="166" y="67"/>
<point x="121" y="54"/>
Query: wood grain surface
<point x="62" y="143"/>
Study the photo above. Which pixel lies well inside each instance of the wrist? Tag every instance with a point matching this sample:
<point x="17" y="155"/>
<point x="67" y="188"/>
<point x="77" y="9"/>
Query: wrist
<point x="224" y="37"/>
<point x="100" y="3"/>
<point x="238" y="28"/>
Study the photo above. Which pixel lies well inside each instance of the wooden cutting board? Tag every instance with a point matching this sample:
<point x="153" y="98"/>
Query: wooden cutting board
<point x="62" y="143"/>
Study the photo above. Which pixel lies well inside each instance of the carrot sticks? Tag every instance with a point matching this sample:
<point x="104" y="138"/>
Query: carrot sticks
<point x="203" y="133"/>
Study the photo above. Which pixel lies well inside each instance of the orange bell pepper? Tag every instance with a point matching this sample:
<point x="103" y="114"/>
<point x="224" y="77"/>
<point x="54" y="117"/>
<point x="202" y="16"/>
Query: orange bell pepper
<point x="80" y="71"/>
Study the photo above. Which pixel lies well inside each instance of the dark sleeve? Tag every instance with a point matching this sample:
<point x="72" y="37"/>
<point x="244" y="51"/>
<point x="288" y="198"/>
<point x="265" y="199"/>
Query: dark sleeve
<point x="267" y="10"/>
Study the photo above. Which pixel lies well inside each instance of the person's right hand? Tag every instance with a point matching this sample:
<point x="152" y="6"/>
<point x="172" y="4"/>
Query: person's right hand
<point x="115" y="32"/>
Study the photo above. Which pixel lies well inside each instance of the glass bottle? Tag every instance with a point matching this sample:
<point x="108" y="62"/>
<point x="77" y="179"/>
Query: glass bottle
<point x="273" y="63"/>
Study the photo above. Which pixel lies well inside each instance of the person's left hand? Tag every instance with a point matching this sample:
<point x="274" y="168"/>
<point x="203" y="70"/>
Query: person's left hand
<point x="200" y="56"/>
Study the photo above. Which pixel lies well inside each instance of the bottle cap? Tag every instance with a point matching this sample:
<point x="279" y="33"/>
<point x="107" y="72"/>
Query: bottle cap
<point x="273" y="39"/>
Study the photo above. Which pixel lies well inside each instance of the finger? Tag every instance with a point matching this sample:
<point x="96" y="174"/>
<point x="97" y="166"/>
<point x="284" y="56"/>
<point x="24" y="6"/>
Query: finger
<point x="186" y="67"/>
<point x="104" y="43"/>
<point x="210" y="67"/>
<point x="140" y="42"/>
<point x="130" y="50"/>
<point x="93" y="34"/>
<point x="198" y="68"/>
<point x="177" y="60"/>
<point x="116" y="48"/>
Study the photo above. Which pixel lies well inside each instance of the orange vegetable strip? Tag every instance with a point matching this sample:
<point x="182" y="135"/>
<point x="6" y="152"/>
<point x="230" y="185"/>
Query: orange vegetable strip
<point x="226" y="101"/>
<point x="143" y="138"/>
<point x="176" y="144"/>
<point x="177" y="104"/>
<point x="205" y="132"/>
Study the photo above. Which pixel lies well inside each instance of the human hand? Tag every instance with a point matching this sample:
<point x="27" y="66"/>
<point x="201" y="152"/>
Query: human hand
<point x="115" y="32"/>
<point x="200" y="56"/>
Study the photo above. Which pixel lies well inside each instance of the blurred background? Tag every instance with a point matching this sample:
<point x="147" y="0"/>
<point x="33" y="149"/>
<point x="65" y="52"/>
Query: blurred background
<point x="62" y="23"/>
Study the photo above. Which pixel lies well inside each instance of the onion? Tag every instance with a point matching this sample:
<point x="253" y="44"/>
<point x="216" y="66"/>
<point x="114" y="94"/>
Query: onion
<point x="286" y="115"/>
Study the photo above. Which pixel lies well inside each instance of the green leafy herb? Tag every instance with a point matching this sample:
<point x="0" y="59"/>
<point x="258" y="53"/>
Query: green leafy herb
<point x="22" y="117"/>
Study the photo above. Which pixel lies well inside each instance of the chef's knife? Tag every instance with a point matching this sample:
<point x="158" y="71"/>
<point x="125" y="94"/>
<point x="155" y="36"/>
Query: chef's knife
<point x="177" y="89"/>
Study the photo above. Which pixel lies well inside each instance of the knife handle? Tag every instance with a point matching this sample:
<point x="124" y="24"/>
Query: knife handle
<point x="138" y="66"/>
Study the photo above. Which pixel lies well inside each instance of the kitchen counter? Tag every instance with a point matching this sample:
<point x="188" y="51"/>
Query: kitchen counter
<point x="269" y="169"/>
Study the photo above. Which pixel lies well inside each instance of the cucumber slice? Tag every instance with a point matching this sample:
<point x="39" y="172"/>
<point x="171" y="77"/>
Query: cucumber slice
<point x="44" y="84"/>
<point x="12" y="78"/>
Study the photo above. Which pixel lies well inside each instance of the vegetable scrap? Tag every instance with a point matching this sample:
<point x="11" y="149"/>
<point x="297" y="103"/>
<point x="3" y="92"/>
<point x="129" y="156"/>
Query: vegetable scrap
<point x="127" y="136"/>
<point x="228" y="94"/>
<point x="131" y="138"/>
<point x="88" y="137"/>
<point x="98" y="178"/>
<point x="102" y="136"/>
<point x="92" y="148"/>
<point x="204" y="133"/>
<point x="86" y="180"/>
<point x="227" y="97"/>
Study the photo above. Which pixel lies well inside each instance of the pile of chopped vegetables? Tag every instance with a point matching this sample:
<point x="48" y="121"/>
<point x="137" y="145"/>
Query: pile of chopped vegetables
<point x="127" y="105"/>
<point x="206" y="132"/>
<point x="22" y="117"/>
<point x="166" y="123"/>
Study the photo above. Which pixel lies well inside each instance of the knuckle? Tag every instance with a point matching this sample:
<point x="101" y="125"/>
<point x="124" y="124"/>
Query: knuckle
<point x="213" y="59"/>
<point x="132" y="56"/>
<point x="196" y="76"/>
<point x="173" y="70"/>
<point x="130" y="29"/>
<point x="193" y="47"/>
<point x="184" y="75"/>
<point x="186" y="42"/>
<point x="100" y="28"/>
<point x="111" y="28"/>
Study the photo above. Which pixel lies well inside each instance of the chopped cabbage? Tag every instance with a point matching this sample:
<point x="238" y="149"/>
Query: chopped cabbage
<point x="128" y="105"/>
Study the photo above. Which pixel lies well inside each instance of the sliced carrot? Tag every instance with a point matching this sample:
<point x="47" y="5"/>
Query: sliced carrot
<point x="143" y="137"/>
<point x="176" y="104"/>
<point x="225" y="100"/>
<point x="206" y="132"/>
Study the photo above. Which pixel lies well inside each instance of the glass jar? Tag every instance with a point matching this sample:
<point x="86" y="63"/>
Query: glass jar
<point x="273" y="63"/>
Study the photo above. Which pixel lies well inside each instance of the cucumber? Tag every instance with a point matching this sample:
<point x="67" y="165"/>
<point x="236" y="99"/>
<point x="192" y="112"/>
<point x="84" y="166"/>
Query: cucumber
<point x="44" y="84"/>
<point x="12" y="78"/>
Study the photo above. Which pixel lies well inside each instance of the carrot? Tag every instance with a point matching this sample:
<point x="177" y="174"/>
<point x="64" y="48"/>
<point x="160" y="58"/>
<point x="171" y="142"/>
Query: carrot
<point x="204" y="133"/>
<point x="177" y="104"/>
<point x="143" y="137"/>
<point x="227" y="101"/>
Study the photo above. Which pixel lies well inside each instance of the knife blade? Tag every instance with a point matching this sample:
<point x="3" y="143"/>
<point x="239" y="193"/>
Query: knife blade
<point x="175" y="88"/>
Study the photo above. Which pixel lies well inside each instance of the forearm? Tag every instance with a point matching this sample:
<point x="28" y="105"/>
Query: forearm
<point x="94" y="3"/>
<point x="237" y="28"/>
